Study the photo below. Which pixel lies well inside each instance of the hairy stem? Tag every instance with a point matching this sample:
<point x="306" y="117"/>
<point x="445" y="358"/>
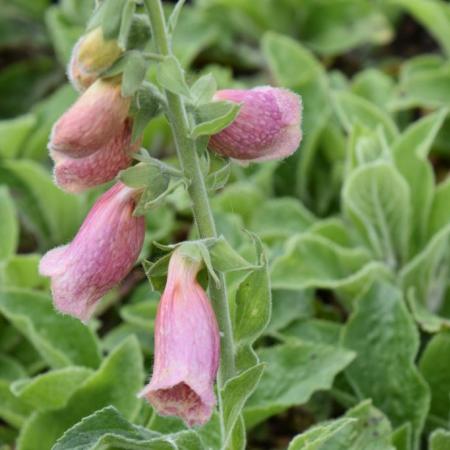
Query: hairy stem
<point x="190" y="164"/>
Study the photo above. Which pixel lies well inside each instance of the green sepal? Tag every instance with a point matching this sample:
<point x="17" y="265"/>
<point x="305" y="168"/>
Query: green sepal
<point x="145" y="106"/>
<point x="213" y="117"/>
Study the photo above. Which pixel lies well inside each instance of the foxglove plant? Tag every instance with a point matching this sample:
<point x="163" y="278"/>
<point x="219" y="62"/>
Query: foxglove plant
<point x="93" y="142"/>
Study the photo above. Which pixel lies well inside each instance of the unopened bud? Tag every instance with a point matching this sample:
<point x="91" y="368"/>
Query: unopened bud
<point x="268" y="125"/>
<point x="91" y="55"/>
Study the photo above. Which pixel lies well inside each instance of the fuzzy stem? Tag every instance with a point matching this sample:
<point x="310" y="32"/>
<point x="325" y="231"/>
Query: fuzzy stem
<point x="190" y="164"/>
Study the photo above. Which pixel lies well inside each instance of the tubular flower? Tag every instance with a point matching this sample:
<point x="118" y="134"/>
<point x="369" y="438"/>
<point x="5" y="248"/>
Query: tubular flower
<point x="187" y="347"/>
<point x="100" y="256"/>
<point x="91" y="142"/>
<point x="268" y="125"/>
<point x="91" y="55"/>
<point x="91" y="121"/>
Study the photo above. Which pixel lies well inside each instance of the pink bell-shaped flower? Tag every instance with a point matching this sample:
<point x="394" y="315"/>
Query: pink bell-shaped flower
<point x="91" y="121"/>
<point x="102" y="253"/>
<point x="267" y="127"/>
<point x="187" y="347"/>
<point x="91" y="142"/>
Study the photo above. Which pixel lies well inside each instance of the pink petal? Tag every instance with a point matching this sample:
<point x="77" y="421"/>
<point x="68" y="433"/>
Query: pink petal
<point x="186" y="348"/>
<point x="266" y="128"/>
<point x="100" y="256"/>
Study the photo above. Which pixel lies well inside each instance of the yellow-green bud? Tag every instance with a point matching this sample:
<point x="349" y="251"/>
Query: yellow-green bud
<point x="91" y="55"/>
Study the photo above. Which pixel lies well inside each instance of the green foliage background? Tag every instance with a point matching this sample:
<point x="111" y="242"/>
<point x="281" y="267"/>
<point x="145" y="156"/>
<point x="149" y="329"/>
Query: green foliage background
<point x="356" y="226"/>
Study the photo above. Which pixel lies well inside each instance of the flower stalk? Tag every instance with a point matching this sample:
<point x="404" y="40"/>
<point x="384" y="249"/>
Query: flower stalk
<point x="190" y="164"/>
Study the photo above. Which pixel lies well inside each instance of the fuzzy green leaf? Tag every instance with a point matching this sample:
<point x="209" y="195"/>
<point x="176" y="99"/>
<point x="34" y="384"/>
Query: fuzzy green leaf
<point x="115" y="383"/>
<point x="60" y="340"/>
<point x="386" y="341"/>
<point x="293" y="373"/>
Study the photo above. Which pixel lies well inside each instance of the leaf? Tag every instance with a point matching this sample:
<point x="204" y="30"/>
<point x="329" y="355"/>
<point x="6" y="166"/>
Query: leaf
<point x="170" y="76"/>
<point x="242" y="198"/>
<point x="353" y="110"/>
<point x="145" y="106"/>
<point x="60" y="340"/>
<point x="234" y="394"/>
<point x="280" y="218"/>
<point x="10" y="369"/>
<point x="203" y="89"/>
<point x="126" y="23"/>
<point x="22" y="271"/>
<point x="386" y="341"/>
<point x="439" y="211"/>
<point x="318" y="331"/>
<point x="312" y="261"/>
<point x="377" y="200"/>
<point x="410" y="153"/>
<point x="320" y="435"/>
<point x="374" y="85"/>
<point x="333" y="28"/>
<point x="63" y="35"/>
<point x="50" y="390"/>
<point x="253" y="303"/>
<point x="439" y="440"/>
<point x="424" y="278"/>
<point x="145" y="175"/>
<point x="293" y="373"/>
<point x="134" y="73"/>
<point x="401" y="437"/>
<point x="141" y="314"/>
<point x="115" y="383"/>
<point x="9" y="228"/>
<point x="13" y="133"/>
<point x="362" y="427"/>
<point x="214" y="117"/>
<point x="426" y="86"/>
<point x="436" y="372"/>
<point x="288" y="306"/>
<point x="174" y="15"/>
<point x="225" y="259"/>
<point x="54" y="213"/>
<point x="284" y="56"/>
<point x="47" y="113"/>
<point x="107" y="428"/>
<point x="94" y="431"/>
<point x="12" y="410"/>
<point x="109" y="16"/>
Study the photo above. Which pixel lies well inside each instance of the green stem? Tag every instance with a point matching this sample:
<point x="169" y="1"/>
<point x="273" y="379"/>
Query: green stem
<point x="190" y="164"/>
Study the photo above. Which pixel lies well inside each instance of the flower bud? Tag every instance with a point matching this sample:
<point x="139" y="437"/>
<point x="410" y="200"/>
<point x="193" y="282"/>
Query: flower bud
<point x="91" y="121"/>
<point x="267" y="126"/>
<point x="91" y="55"/>
<point x="187" y="347"/>
<point x="100" y="256"/>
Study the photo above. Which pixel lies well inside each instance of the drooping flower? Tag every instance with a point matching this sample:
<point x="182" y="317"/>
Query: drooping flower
<point x="91" y="121"/>
<point x="100" y="256"/>
<point x="91" y="55"/>
<point x="91" y="142"/>
<point x="187" y="346"/>
<point x="267" y="127"/>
